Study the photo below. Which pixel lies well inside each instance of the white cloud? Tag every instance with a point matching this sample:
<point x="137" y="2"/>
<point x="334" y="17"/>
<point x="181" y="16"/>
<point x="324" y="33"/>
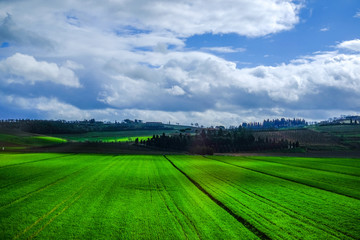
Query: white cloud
<point x="176" y="90"/>
<point x="53" y="108"/>
<point x="21" y="68"/>
<point x="207" y="82"/>
<point x="224" y="49"/>
<point x="73" y="65"/>
<point x="325" y="29"/>
<point x="357" y="15"/>
<point x="133" y="61"/>
<point x="184" y="17"/>
<point x="353" y="45"/>
<point x="307" y="76"/>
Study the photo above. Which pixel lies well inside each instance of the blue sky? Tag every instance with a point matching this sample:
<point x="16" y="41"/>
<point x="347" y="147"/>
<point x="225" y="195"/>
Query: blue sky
<point x="322" y="25"/>
<point x="211" y="62"/>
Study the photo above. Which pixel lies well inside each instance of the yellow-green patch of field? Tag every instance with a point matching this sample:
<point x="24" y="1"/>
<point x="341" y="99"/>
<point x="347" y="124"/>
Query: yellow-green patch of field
<point x="30" y="140"/>
<point x="126" y="139"/>
<point x="116" y="136"/>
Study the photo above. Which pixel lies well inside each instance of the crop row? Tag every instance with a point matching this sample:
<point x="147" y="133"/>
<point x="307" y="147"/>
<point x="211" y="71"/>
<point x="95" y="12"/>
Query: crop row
<point x="278" y="207"/>
<point x="340" y="183"/>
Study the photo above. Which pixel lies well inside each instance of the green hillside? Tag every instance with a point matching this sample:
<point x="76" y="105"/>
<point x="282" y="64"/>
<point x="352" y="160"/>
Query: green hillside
<point x="18" y="139"/>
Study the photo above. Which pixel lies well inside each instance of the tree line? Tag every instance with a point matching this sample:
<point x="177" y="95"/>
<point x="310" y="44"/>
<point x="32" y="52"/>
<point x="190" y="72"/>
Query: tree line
<point x="276" y="124"/>
<point x="208" y="141"/>
<point x="73" y="127"/>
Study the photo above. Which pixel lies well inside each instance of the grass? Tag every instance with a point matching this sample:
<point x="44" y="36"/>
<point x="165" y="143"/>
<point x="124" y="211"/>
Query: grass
<point x="280" y="207"/>
<point x="119" y="136"/>
<point x="325" y="177"/>
<point x="123" y="197"/>
<point x="30" y="140"/>
<point x="126" y="139"/>
<point x="95" y="196"/>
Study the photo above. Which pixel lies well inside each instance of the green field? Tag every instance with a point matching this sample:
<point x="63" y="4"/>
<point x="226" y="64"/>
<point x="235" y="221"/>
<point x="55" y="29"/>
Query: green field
<point x="32" y="141"/>
<point x="83" y="196"/>
<point x="119" y="136"/>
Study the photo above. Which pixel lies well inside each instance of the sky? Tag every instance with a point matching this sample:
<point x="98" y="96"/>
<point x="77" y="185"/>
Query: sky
<point x="181" y="61"/>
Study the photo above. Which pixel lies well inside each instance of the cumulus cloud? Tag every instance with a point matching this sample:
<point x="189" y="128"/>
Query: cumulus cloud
<point x="133" y="61"/>
<point x="10" y="32"/>
<point x="53" y="108"/>
<point x="307" y="76"/>
<point x="21" y="68"/>
<point x="353" y="45"/>
<point x="185" y="17"/>
<point x="207" y="82"/>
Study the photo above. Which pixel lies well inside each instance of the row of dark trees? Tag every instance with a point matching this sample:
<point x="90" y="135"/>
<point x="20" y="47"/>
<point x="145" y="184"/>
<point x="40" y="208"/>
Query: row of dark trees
<point x="276" y="124"/>
<point x="209" y="141"/>
<point x="69" y="127"/>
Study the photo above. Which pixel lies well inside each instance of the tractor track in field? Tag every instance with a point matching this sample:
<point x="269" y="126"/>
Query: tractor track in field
<point x="283" y="209"/>
<point x="65" y="201"/>
<point x="21" y="180"/>
<point x="240" y="219"/>
<point x="45" y="215"/>
<point x="25" y="179"/>
<point x="53" y="218"/>
<point x="284" y="178"/>
<point x="41" y="188"/>
<point x="172" y="213"/>
<point x="220" y="191"/>
<point x="39" y="160"/>
<point x="179" y="209"/>
<point x="295" y="166"/>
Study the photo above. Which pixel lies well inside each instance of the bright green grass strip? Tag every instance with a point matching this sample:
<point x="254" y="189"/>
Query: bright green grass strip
<point x="47" y="139"/>
<point x="280" y="208"/>
<point x="126" y="139"/>
<point x="111" y="136"/>
<point x="31" y="140"/>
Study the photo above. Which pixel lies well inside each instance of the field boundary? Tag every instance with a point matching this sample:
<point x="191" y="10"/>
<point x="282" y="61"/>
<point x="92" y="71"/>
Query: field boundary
<point x="283" y="178"/>
<point x="240" y="219"/>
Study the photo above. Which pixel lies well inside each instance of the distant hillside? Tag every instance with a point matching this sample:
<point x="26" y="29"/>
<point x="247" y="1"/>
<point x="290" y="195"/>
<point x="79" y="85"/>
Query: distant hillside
<point x="317" y="137"/>
<point x="346" y="134"/>
<point x="74" y="127"/>
<point x="15" y="138"/>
